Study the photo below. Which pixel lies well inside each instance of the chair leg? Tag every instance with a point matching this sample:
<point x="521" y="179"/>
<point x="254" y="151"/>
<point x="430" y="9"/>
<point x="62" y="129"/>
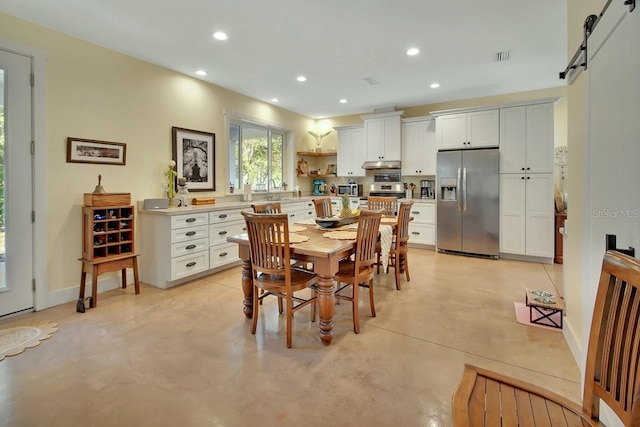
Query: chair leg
<point x="406" y="267"/>
<point x="396" y="270"/>
<point x="355" y="311"/>
<point x="289" y="320"/>
<point x="254" y="323"/>
<point x="279" y="305"/>
<point x="373" y="306"/>
<point x="379" y="261"/>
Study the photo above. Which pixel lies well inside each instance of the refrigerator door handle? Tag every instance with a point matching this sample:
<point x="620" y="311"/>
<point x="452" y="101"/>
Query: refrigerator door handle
<point x="458" y="189"/>
<point x="464" y="189"/>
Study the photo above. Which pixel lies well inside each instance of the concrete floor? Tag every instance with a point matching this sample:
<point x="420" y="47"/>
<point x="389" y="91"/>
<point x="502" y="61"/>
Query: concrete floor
<point x="186" y="357"/>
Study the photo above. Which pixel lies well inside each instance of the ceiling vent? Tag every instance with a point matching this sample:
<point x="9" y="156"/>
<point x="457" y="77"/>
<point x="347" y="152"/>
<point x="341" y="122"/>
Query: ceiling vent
<point x="501" y="56"/>
<point x="370" y="81"/>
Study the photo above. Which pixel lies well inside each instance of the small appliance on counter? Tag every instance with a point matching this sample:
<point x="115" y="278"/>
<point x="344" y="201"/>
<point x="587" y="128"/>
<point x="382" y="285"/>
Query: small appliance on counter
<point x="319" y="187"/>
<point x="427" y="189"/>
<point x="350" y="189"/>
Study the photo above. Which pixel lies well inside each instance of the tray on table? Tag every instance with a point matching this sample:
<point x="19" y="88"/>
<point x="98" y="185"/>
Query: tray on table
<point x="332" y="222"/>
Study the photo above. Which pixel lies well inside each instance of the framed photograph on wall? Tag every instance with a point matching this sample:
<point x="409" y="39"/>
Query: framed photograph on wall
<point x="194" y="154"/>
<point x="91" y="151"/>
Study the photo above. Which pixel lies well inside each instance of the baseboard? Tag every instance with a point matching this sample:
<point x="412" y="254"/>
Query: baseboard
<point x="105" y="283"/>
<point x="528" y="258"/>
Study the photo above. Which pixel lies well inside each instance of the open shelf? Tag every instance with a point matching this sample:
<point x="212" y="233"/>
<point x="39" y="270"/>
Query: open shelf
<point x="320" y="154"/>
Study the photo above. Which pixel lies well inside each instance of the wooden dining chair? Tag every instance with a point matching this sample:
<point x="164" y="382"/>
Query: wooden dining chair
<point x="359" y="271"/>
<point x="323" y="207"/>
<point x="398" y="252"/>
<point x="612" y="372"/>
<point x="271" y="267"/>
<point x="268" y="208"/>
<point x="387" y="204"/>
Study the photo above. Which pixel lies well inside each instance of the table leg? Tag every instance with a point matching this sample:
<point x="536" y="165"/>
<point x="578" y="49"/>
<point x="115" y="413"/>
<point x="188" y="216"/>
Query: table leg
<point x="124" y="278"/>
<point x="94" y="286"/>
<point x="83" y="279"/>
<point x="136" y="281"/>
<point x="247" y="288"/>
<point x="325" y="306"/>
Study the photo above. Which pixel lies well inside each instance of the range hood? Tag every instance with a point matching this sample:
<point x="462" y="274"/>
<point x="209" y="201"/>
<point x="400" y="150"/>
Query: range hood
<point x="381" y="164"/>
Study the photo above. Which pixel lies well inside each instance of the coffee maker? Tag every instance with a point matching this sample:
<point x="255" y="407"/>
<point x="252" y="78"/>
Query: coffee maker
<point x="427" y="189"/>
<point x="319" y="187"/>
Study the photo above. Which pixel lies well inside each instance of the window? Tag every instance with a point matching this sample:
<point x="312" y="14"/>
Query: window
<point x="256" y="156"/>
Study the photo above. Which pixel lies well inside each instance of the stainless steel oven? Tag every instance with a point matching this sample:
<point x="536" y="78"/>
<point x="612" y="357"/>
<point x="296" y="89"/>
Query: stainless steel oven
<point x="387" y="184"/>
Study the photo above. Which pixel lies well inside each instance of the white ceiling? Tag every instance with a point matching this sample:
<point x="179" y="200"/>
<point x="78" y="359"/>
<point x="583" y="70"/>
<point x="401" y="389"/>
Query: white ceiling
<point x="334" y="43"/>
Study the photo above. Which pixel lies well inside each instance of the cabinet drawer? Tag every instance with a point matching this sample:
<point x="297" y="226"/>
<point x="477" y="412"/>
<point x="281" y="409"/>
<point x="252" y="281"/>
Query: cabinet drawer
<point x="422" y="233"/>
<point x="225" y="216"/>
<point x="223" y="254"/>
<point x="189" y="220"/>
<point x="188" y="265"/>
<point x="188" y="234"/>
<point x="423" y="212"/>
<point x="190" y="247"/>
<point x="218" y="233"/>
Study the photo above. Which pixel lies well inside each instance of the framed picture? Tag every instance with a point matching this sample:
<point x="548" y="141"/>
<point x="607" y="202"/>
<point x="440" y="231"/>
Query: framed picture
<point x="194" y="153"/>
<point x="91" y="151"/>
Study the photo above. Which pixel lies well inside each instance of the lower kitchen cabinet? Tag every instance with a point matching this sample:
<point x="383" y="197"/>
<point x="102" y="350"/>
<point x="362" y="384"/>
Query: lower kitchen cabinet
<point x="299" y="211"/>
<point x="422" y="229"/>
<point x="527" y="215"/>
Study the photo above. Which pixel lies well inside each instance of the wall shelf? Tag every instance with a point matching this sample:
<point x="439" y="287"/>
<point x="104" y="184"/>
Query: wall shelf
<point x="314" y="154"/>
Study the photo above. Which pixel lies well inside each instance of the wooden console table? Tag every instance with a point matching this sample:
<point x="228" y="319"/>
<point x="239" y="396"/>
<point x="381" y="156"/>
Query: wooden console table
<point x="115" y="263"/>
<point x="560" y="217"/>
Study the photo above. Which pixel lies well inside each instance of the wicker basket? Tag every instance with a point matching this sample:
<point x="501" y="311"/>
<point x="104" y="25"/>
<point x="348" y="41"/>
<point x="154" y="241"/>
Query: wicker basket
<point x="107" y="199"/>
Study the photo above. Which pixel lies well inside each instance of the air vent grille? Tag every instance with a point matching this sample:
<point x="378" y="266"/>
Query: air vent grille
<point x="502" y="56"/>
<point x="371" y="81"/>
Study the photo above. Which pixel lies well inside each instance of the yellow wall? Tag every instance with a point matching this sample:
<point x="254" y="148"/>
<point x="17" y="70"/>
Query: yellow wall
<point x="96" y="93"/>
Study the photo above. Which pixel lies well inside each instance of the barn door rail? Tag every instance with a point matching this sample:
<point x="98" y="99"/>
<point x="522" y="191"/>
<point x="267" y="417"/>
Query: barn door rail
<point x="579" y="60"/>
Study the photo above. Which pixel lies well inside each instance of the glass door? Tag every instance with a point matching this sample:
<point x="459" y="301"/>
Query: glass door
<point x="16" y="174"/>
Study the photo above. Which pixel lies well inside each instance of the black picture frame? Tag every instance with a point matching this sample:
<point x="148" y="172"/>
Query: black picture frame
<point x="194" y="153"/>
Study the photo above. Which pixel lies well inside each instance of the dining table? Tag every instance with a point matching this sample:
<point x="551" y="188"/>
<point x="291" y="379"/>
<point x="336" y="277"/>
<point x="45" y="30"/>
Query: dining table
<point x="315" y="247"/>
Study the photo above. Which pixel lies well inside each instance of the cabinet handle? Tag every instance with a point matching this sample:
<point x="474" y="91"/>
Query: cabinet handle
<point x="190" y="220"/>
<point x="191" y="264"/>
<point x="415" y="212"/>
<point x="415" y="232"/>
<point x="222" y="233"/>
<point x="522" y="168"/>
<point x="222" y="216"/>
<point x="190" y="233"/>
<point x="522" y="177"/>
<point x="528" y="168"/>
<point x="528" y="177"/>
<point x="190" y="247"/>
<point x="223" y="254"/>
<point x="244" y="228"/>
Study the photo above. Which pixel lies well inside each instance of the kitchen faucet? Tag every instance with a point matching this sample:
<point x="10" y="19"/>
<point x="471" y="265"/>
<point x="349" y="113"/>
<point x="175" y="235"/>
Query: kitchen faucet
<point x="269" y="182"/>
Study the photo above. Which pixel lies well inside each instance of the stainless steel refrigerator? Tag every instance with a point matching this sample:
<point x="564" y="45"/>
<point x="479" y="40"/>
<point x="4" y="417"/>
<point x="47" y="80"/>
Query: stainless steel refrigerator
<point x="468" y="192"/>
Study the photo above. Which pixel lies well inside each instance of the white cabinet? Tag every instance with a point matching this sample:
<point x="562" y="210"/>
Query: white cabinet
<point x="223" y="224"/>
<point x="336" y="204"/>
<point x="422" y="230"/>
<point x="527" y="215"/>
<point x="299" y="211"/>
<point x="173" y="248"/>
<point x="351" y="151"/>
<point x="383" y="134"/>
<point x="526" y="139"/>
<point x="468" y="130"/>
<point x="419" y="149"/>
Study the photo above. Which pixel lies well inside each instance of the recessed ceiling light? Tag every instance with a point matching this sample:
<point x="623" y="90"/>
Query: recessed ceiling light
<point x="275" y="100"/>
<point x="201" y="73"/>
<point x="343" y="101"/>
<point x="320" y="117"/>
<point x="413" y="51"/>
<point x="219" y="35"/>
<point x="301" y="78"/>
<point x="434" y="85"/>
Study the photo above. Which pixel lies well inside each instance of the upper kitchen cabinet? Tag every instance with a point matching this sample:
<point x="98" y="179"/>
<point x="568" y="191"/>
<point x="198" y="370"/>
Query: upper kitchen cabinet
<point x="419" y="150"/>
<point x="351" y="151"/>
<point x="382" y="133"/>
<point x="468" y="130"/>
<point x="526" y="139"/>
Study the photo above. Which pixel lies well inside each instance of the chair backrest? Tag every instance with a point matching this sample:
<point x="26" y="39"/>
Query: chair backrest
<point x="269" y="243"/>
<point x="613" y="356"/>
<point x="323" y="207"/>
<point x="268" y="208"/>
<point x="367" y="236"/>
<point x="404" y="215"/>
<point x="387" y="204"/>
